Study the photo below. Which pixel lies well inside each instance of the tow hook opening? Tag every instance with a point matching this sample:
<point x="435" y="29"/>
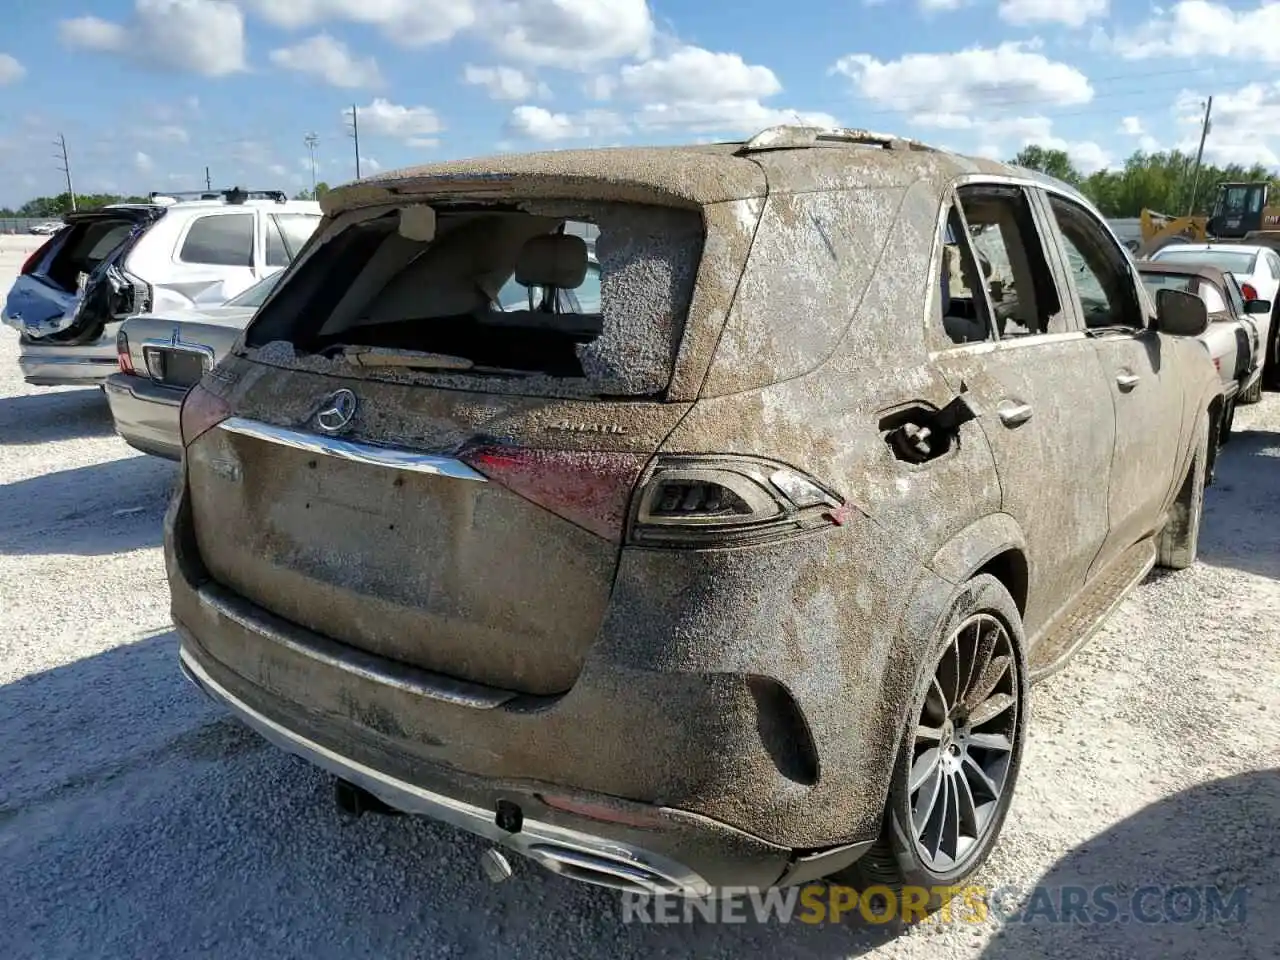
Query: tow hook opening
<point x="356" y="801"/>
<point x="509" y="817"/>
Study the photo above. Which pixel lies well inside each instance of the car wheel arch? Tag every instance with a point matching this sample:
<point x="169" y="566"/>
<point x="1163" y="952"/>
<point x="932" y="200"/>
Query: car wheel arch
<point x="993" y="544"/>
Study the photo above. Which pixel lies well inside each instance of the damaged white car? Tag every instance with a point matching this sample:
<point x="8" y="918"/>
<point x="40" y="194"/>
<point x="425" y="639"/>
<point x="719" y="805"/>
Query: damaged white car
<point x="117" y="261"/>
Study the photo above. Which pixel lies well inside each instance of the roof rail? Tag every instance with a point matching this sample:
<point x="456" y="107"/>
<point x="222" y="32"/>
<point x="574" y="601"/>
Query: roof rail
<point x="230" y="195"/>
<point x="790" y="137"/>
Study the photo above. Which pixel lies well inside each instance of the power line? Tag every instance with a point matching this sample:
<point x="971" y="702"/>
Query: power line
<point x="61" y="144"/>
<point x="1204" y="132"/>
<point x="311" y="139"/>
<point x="355" y="135"/>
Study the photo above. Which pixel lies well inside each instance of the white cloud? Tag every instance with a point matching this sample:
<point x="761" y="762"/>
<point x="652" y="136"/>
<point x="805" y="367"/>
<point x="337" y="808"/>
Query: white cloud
<point x="1132" y="126"/>
<point x="410" y="23"/>
<point x="369" y="165"/>
<point x="143" y="162"/>
<point x="1012" y="74"/>
<point x="528" y="122"/>
<point x="327" y="58"/>
<point x="11" y="71"/>
<point x="165" y="133"/>
<point x="600" y="88"/>
<point x="417" y="126"/>
<point x="931" y="6"/>
<point x="538" y="123"/>
<point x="726" y="116"/>
<point x="692" y="73"/>
<point x="279" y="169"/>
<point x="1243" y="128"/>
<point x="200" y="36"/>
<point x="505" y="83"/>
<point x="1086" y="155"/>
<point x="1069" y="13"/>
<point x="570" y="34"/>
<point x="700" y="91"/>
<point x="1198" y="28"/>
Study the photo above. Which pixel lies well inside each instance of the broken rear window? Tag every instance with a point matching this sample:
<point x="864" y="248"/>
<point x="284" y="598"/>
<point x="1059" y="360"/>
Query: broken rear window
<point x="543" y="297"/>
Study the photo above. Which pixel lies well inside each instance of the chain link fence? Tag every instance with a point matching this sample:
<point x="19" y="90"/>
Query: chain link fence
<point x="23" y="224"/>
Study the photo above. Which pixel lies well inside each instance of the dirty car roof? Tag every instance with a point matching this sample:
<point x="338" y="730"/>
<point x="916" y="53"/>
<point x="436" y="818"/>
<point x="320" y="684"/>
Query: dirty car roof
<point x="690" y="174"/>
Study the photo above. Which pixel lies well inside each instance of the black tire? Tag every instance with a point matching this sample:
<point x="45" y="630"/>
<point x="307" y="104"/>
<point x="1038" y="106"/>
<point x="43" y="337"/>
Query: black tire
<point x="900" y="857"/>
<point x="1253" y="394"/>
<point x="1179" y="541"/>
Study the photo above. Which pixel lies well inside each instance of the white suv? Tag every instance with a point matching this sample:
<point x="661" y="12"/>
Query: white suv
<point x="110" y="263"/>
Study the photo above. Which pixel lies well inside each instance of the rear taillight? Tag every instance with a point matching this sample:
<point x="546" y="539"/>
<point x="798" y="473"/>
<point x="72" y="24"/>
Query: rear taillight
<point x="122" y="352"/>
<point x="1249" y="290"/>
<point x="700" y="501"/>
<point x="590" y="489"/>
<point x="29" y="265"/>
<point x="201" y="412"/>
<point x="677" y="501"/>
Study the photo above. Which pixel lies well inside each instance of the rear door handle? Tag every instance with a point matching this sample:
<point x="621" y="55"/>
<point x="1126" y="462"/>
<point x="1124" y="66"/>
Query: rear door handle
<point x="1011" y="414"/>
<point x="1128" y="381"/>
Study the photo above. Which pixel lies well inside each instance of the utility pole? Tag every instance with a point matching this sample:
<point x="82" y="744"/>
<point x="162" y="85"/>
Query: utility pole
<point x="1204" y="133"/>
<point x="311" y="140"/>
<point x="355" y="135"/>
<point x="208" y="183"/>
<point x="61" y="144"/>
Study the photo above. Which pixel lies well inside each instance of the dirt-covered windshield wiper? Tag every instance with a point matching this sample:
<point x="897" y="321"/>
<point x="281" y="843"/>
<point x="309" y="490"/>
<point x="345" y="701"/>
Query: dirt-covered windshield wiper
<point x="382" y="357"/>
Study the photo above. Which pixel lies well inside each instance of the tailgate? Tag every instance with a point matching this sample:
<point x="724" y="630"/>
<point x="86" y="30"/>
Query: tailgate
<point x="481" y="545"/>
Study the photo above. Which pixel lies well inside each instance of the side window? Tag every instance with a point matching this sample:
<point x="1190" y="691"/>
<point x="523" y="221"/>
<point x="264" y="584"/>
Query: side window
<point x="224" y="240"/>
<point x="277" y="255"/>
<point x="1235" y="295"/>
<point x="995" y="249"/>
<point x="1103" y="279"/>
<point x="297" y="229"/>
<point x="1273" y="264"/>
<point x="1213" y="301"/>
<point x="589" y="293"/>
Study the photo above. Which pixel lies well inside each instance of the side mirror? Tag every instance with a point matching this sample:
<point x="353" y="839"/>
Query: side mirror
<point x="1257" y="306"/>
<point x="1181" y="314"/>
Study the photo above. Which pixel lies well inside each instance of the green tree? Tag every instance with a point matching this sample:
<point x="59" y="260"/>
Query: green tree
<point x="1055" y="163"/>
<point x="321" y="189"/>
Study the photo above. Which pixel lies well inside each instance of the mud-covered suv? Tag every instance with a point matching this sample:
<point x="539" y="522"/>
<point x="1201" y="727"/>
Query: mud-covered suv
<point x="741" y="578"/>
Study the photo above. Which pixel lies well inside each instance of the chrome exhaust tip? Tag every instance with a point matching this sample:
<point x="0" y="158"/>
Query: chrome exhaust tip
<point x="495" y="865"/>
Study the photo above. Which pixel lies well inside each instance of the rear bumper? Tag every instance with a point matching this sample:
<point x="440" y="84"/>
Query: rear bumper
<point x="146" y="414"/>
<point x="681" y="854"/>
<point x="50" y="365"/>
<point x="750" y="728"/>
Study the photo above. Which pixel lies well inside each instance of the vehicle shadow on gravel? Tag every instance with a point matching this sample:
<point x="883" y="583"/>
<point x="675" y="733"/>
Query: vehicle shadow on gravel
<point x="94" y="510"/>
<point x="1241" y="527"/>
<point x="63" y="415"/>
<point x="136" y="820"/>
<point x="1194" y="875"/>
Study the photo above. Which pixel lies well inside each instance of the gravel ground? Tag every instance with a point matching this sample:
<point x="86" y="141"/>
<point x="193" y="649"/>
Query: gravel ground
<point x="136" y="821"/>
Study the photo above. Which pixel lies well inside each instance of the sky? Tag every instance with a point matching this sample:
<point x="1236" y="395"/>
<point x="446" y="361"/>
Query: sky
<point x="147" y="93"/>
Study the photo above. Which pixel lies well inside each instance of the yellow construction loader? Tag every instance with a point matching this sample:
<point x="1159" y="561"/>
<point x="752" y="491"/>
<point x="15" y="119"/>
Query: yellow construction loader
<point x="1240" y="212"/>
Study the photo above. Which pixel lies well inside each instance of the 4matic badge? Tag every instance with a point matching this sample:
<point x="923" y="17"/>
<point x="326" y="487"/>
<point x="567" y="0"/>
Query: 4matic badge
<point x="567" y="426"/>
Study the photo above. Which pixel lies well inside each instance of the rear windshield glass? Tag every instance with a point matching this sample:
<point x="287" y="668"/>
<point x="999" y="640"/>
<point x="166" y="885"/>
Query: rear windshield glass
<point x="543" y="297"/>
<point x="1228" y="262"/>
<point x="1155" y="282"/>
<point x="254" y="296"/>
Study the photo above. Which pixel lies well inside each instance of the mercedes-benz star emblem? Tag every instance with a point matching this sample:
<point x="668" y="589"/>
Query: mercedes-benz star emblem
<point x="337" y="412"/>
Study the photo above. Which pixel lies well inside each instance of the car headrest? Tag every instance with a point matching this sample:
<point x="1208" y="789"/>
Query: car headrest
<point x="553" y="260"/>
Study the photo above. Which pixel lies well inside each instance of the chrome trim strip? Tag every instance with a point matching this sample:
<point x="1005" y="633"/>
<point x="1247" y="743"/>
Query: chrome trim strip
<point x="556" y="848"/>
<point x="337" y="656"/>
<point x="367" y="453"/>
<point x="35" y="360"/>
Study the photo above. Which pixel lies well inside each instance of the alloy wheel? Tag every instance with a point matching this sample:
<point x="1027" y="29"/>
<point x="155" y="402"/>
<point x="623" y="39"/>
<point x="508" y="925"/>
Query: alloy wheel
<point x="964" y="742"/>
